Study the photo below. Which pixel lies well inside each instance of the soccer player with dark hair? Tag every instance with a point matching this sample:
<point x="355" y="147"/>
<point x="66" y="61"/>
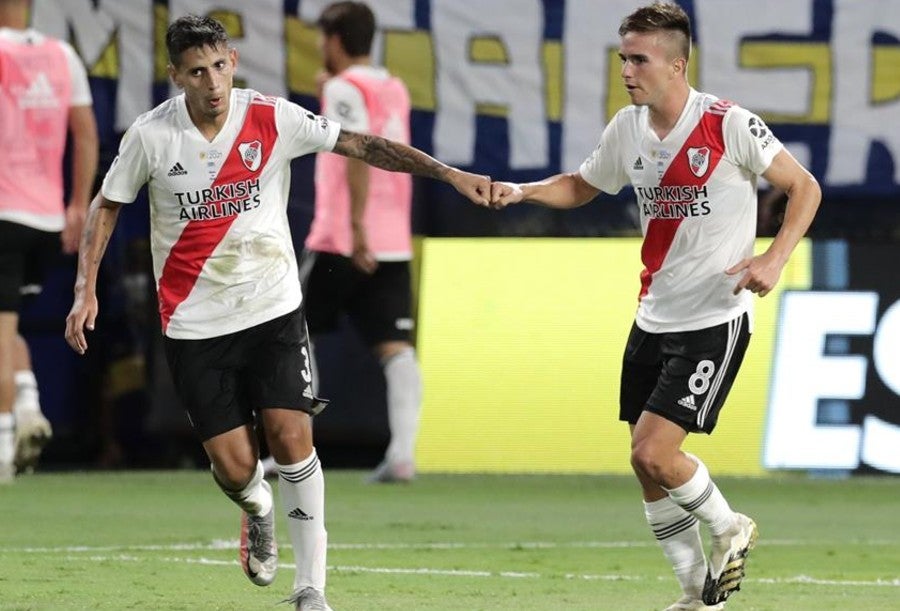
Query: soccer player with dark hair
<point x="216" y="160"/>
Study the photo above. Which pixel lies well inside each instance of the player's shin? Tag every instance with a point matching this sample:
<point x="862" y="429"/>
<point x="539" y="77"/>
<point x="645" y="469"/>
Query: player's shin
<point x="302" y="487"/>
<point x="254" y="498"/>
<point x="678" y="533"/>
<point x="404" y="398"/>
<point x="701" y="497"/>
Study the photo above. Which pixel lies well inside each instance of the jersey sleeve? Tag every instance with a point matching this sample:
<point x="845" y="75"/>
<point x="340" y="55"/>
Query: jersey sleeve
<point x="343" y="102"/>
<point x="304" y="131"/>
<point x="129" y="171"/>
<point x="81" y="89"/>
<point x="749" y="142"/>
<point x="603" y="169"/>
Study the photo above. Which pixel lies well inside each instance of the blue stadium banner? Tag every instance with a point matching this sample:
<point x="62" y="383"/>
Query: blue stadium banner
<point x="523" y="88"/>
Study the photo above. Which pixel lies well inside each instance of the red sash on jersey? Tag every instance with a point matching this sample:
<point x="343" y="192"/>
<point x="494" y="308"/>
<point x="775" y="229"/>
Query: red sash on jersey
<point x="200" y="238"/>
<point x="661" y="232"/>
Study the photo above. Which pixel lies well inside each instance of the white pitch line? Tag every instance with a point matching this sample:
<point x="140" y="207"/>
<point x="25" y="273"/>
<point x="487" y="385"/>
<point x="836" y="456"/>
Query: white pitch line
<point x="226" y="544"/>
<point x="797" y="580"/>
<point x="806" y="579"/>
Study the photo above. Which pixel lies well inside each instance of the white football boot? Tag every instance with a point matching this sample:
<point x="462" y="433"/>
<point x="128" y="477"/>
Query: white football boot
<point x="727" y="560"/>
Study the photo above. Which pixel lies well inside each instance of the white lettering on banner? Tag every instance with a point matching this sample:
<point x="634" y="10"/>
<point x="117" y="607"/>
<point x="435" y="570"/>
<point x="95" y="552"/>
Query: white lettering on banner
<point x="93" y="30"/>
<point x="886" y="349"/>
<point x="393" y="15"/>
<point x="856" y="122"/>
<point x="261" y="52"/>
<point x="803" y="374"/>
<point x="881" y="440"/>
<point x="588" y="34"/>
<point x="722" y="26"/>
<point x="847" y="44"/>
<point x="517" y="84"/>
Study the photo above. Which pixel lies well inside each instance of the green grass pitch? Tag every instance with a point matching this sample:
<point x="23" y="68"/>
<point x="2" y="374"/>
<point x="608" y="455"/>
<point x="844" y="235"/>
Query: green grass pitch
<point x="168" y="540"/>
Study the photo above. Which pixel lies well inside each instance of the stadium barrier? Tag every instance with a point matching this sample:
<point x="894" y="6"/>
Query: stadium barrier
<point x="521" y="340"/>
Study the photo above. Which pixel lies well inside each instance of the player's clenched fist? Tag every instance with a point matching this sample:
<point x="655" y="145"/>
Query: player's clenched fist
<point x="474" y="186"/>
<point x="505" y="193"/>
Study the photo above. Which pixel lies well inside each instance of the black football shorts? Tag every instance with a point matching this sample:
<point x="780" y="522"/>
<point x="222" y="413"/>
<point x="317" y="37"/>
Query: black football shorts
<point x="684" y="376"/>
<point x="222" y="381"/>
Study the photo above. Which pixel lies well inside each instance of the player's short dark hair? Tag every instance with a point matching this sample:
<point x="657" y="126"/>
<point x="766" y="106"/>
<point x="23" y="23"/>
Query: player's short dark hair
<point x="193" y="31"/>
<point x="354" y="24"/>
<point x="660" y="16"/>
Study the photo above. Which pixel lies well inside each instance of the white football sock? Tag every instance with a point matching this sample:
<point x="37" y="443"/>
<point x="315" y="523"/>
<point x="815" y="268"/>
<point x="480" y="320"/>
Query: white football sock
<point x="253" y="498"/>
<point x="27" y="396"/>
<point x="404" y="399"/>
<point x="700" y="497"/>
<point x="7" y="438"/>
<point x="302" y="487"/>
<point x="678" y="533"/>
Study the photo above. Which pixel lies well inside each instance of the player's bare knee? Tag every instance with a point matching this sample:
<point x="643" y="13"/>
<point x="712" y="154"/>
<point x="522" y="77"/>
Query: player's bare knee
<point x="234" y="471"/>
<point x="292" y="441"/>
<point x="646" y="459"/>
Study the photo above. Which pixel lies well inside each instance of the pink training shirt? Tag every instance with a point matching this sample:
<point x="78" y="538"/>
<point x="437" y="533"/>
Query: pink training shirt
<point x="370" y="100"/>
<point x="40" y="79"/>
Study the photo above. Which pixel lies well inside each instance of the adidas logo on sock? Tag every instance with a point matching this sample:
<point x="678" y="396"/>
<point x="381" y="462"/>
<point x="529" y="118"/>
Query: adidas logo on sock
<point x="688" y="402"/>
<point x="299" y="514"/>
<point x="177" y="170"/>
<point x="638" y="164"/>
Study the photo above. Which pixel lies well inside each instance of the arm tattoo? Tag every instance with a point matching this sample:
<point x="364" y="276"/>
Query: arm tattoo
<point x="389" y="155"/>
<point x="98" y="229"/>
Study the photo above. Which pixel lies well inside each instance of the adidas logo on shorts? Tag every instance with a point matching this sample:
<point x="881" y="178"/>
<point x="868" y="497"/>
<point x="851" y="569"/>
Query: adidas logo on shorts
<point x="688" y="402"/>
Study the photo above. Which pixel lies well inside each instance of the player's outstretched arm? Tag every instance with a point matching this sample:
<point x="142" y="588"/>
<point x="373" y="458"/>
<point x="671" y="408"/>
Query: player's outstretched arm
<point x="397" y="157"/>
<point x="101" y="220"/>
<point x="560" y="191"/>
<point x="760" y="274"/>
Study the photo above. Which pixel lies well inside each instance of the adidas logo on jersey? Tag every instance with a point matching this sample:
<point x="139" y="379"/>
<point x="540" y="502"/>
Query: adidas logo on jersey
<point x="638" y="164"/>
<point x="177" y="170"/>
<point x="688" y="402"/>
<point x="39" y="94"/>
<point x="299" y="514"/>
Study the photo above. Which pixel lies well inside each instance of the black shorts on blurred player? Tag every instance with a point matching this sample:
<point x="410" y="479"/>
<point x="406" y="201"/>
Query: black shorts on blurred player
<point x="25" y="255"/>
<point x="379" y="305"/>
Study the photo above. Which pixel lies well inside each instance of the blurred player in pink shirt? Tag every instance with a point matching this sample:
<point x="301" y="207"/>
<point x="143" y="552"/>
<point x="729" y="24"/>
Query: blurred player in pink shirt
<point x="359" y="246"/>
<point x="44" y="95"/>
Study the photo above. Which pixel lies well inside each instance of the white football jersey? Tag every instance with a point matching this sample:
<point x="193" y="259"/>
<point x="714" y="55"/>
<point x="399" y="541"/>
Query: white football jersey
<point x="222" y="251"/>
<point x="696" y="190"/>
